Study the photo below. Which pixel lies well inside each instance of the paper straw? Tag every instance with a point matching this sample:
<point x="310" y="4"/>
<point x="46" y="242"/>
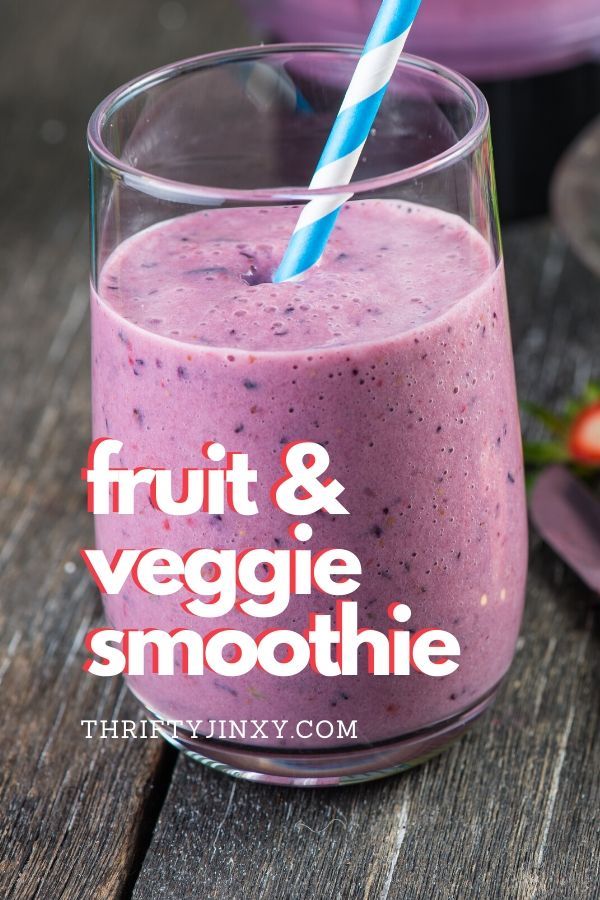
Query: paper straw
<point x="349" y="135"/>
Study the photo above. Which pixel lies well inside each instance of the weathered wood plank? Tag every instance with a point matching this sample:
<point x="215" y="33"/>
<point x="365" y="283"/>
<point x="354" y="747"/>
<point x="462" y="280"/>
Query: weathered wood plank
<point x="512" y="809"/>
<point x="76" y="814"/>
<point x="55" y="790"/>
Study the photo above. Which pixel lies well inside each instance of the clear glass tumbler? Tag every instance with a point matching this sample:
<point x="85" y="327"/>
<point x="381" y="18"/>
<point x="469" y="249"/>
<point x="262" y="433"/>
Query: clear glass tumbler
<point x="393" y="354"/>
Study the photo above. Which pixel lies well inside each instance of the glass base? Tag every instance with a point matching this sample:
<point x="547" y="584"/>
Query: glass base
<point x="327" y="768"/>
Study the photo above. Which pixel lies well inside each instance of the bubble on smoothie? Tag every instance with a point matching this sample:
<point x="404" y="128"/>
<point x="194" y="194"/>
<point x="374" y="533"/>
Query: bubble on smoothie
<point x="363" y="289"/>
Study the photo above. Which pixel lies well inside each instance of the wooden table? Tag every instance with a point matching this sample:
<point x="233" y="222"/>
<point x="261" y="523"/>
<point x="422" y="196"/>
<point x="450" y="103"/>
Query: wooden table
<point x="512" y="811"/>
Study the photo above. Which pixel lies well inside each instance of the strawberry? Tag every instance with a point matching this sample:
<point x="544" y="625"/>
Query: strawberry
<point x="584" y="436"/>
<point x="575" y="434"/>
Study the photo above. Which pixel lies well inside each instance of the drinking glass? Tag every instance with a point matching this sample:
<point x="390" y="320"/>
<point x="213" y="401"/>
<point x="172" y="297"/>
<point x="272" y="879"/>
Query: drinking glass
<point x="393" y="354"/>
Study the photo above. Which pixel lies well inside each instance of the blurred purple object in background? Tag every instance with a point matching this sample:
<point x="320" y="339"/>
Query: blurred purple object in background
<point x="567" y="516"/>
<point x="482" y="38"/>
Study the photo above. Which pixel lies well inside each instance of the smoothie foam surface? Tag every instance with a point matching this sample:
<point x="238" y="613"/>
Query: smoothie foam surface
<point x="204" y="278"/>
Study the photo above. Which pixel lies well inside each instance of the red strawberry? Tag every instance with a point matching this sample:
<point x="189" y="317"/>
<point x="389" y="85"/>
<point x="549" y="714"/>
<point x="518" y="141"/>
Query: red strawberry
<point x="584" y="435"/>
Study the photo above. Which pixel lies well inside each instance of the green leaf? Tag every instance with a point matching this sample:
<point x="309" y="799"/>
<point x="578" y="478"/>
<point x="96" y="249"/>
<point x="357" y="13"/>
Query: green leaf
<point x="542" y="453"/>
<point x="531" y="477"/>
<point x="591" y="394"/>
<point x="589" y="397"/>
<point x="555" y="423"/>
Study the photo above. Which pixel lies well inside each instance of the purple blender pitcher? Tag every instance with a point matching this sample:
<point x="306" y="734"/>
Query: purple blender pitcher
<point x="482" y="38"/>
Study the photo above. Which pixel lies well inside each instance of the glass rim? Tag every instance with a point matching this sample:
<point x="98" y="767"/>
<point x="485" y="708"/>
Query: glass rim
<point x="184" y="192"/>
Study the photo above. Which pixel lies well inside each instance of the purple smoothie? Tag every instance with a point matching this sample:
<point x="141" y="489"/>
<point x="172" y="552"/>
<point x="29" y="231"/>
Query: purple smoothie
<point x="395" y="354"/>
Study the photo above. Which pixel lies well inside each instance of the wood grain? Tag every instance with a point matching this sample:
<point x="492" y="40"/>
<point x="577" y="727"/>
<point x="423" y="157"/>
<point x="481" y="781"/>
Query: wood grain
<point x="509" y="812"/>
<point x="76" y="815"/>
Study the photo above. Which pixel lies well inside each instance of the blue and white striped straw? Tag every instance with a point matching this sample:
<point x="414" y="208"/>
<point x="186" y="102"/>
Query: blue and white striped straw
<point x="348" y="136"/>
